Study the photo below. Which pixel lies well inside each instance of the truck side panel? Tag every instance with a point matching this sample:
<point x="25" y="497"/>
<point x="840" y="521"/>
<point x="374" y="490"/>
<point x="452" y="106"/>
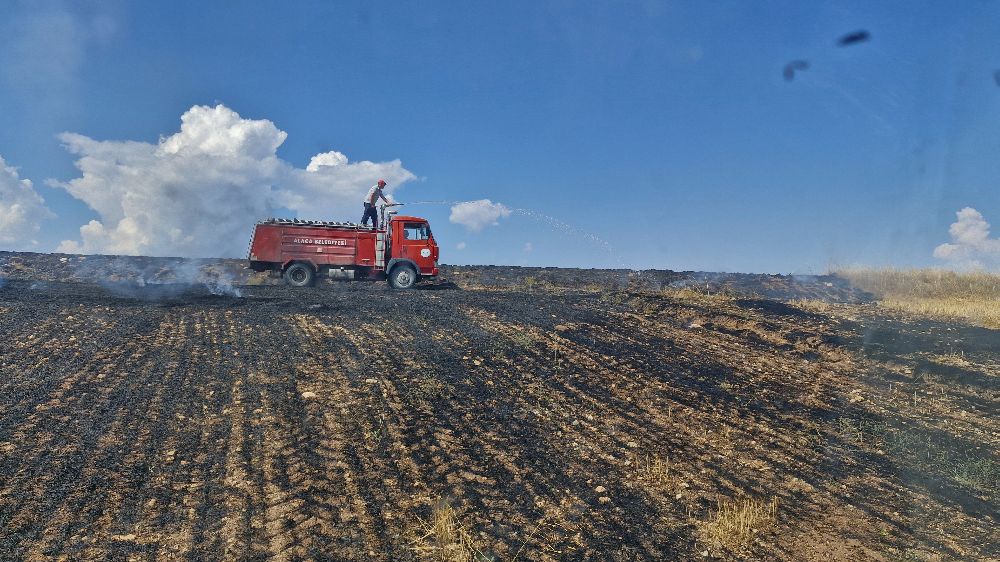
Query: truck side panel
<point x="319" y="246"/>
<point x="338" y="247"/>
<point x="266" y="244"/>
<point x="366" y="249"/>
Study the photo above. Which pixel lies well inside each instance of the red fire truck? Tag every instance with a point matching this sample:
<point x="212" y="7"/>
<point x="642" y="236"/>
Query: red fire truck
<point x="401" y="249"/>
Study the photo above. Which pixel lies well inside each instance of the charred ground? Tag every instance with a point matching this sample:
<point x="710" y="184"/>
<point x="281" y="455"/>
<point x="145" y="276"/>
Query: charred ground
<point x="162" y="421"/>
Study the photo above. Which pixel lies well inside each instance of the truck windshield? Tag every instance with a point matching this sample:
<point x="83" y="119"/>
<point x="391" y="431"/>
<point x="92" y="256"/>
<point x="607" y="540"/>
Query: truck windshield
<point x="416" y="231"/>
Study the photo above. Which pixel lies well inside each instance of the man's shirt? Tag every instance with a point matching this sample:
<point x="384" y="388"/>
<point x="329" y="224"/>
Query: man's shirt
<point x="373" y="194"/>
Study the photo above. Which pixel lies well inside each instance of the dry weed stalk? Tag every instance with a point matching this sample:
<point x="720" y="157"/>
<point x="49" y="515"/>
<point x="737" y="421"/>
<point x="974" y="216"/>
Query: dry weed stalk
<point x="443" y="539"/>
<point x="736" y="522"/>
<point x="653" y="469"/>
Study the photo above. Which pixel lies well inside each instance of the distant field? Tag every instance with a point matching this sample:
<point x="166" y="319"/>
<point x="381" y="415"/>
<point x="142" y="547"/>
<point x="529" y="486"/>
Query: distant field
<point x="973" y="296"/>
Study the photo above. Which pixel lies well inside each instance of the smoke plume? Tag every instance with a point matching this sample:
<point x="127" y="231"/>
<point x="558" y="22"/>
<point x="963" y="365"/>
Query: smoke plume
<point x="154" y="279"/>
<point x="971" y="245"/>
<point x="198" y="192"/>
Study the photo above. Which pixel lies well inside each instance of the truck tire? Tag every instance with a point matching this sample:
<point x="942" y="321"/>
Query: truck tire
<point x="403" y="276"/>
<point x="300" y="275"/>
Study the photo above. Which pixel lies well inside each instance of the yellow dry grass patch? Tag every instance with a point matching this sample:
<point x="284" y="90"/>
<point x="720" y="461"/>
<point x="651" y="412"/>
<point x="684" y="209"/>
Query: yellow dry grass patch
<point x="969" y="296"/>
<point x="696" y="293"/>
<point x="986" y="314"/>
<point x="735" y="522"/>
<point x="444" y="539"/>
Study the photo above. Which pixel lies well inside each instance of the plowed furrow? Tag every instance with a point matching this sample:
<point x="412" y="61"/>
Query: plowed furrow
<point x="35" y="372"/>
<point x="445" y="442"/>
<point x="96" y="490"/>
<point x="179" y="484"/>
<point x="354" y="435"/>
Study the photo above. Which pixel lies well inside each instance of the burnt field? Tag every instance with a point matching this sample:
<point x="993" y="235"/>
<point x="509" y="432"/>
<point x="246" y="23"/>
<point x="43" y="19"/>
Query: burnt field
<point x="538" y="416"/>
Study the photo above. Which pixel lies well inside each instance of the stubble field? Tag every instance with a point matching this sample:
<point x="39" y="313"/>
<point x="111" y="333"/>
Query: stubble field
<point x="508" y="422"/>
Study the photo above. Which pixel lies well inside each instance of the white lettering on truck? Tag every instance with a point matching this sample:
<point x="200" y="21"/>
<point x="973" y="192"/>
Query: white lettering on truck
<point x="321" y="241"/>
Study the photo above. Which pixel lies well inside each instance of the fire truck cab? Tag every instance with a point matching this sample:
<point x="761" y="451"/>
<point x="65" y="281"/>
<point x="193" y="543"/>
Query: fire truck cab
<point x="401" y="250"/>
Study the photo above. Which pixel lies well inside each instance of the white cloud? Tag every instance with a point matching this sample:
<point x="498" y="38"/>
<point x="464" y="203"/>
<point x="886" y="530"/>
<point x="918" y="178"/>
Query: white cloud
<point x="971" y="245"/>
<point x="21" y="210"/>
<point x="332" y="158"/>
<point x="477" y="215"/>
<point x="198" y="192"/>
<point x="460" y="246"/>
<point x="528" y="247"/>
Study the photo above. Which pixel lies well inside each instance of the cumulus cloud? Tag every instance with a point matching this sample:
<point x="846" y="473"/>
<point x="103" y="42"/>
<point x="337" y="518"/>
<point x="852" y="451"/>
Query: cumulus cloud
<point x="198" y="192"/>
<point x="327" y="159"/>
<point x="477" y="215"/>
<point x="971" y="244"/>
<point x="22" y="210"/>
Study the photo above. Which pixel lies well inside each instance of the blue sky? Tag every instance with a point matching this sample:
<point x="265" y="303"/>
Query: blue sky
<point x="663" y="128"/>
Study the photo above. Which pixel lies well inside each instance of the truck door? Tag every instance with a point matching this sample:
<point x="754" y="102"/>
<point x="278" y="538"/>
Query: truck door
<point x="416" y="245"/>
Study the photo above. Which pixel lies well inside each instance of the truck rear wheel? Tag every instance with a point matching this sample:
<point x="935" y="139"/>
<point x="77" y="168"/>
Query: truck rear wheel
<point x="300" y="275"/>
<point x="402" y="276"/>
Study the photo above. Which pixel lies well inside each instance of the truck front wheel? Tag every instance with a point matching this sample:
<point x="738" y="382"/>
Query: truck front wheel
<point x="300" y="275"/>
<point x="402" y="276"/>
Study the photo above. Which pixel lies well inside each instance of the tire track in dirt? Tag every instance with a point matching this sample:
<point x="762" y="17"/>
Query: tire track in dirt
<point x="304" y="511"/>
<point x="209" y="493"/>
<point x="187" y="462"/>
<point x="379" y="477"/>
<point x="230" y="534"/>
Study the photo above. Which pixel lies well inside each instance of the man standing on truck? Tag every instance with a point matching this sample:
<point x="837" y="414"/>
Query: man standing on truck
<point x="373" y="196"/>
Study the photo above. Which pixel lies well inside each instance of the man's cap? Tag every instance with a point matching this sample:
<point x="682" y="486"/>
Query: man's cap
<point x="381" y="182"/>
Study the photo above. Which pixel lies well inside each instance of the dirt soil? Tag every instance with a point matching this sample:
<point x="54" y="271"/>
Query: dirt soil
<point x="153" y="270"/>
<point x="164" y="422"/>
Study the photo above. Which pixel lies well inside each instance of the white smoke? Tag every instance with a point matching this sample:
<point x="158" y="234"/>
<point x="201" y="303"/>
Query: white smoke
<point x="198" y="192"/>
<point x="971" y="245"/>
<point x="477" y="215"/>
<point x="158" y="279"/>
<point x="22" y="210"/>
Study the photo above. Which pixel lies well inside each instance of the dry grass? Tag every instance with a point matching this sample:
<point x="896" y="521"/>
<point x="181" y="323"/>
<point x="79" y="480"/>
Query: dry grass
<point x="653" y="469"/>
<point x="443" y="539"/>
<point x="812" y="305"/>
<point x="256" y="279"/>
<point x="696" y="293"/>
<point x="971" y="296"/>
<point x="735" y="523"/>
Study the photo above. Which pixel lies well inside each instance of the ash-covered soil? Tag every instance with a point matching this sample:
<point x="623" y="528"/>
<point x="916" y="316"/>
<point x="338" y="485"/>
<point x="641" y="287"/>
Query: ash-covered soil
<point x="219" y="275"/>
<point x="161" y="421"/>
